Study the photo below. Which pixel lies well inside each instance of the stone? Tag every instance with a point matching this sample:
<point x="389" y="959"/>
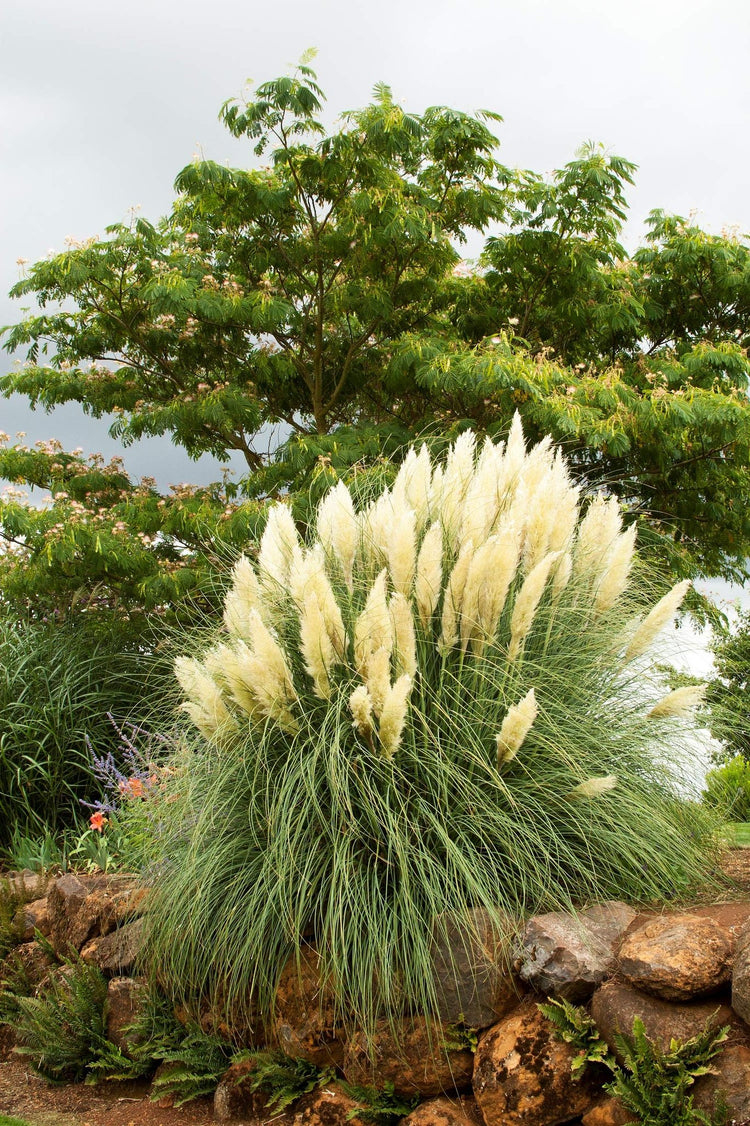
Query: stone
<point x="459" y="1111"/>
<point x="124" y="997"/>
<point x="7" y="1042"/>
<point x="678" y="957"/>
<point x="566" y="955"/>
<point x="413" y="1058"/>
<point x="117" y="952"/>
<point x="234" y="1096"/>
<point x="83" y="907"/>
<point x="328" y="1106"/>
<point x="32" y="917"/>
<point x="731" y="1082"/>
<point x="34" y="962"/>
<point x="474" y="982"/>
<point x="609" y="1113"/>
<point x="305" y="1022"/>
<point x="25" y="885"/>
<point x="741" y="975"/>
<point x="522" y="1073"/>
<point x="615" y="1006"/>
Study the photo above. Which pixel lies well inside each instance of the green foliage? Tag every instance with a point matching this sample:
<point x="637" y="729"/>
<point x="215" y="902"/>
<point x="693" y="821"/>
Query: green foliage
<point x="284" y="1078"/>
<point x="44" y="852"/>
<point x="365" y="831"/>
<point x="728" y="789"/>
<point x="574" y="1026"/>
<point x="461" y="1038"/>
<point x="651" y="1083"/>
<point x="727" y="696"/>
<point x="58" y="682"/>
<point x="655" y="1084"/>
<point x="379" y="1105"/>
<point x="194" y="1067"/>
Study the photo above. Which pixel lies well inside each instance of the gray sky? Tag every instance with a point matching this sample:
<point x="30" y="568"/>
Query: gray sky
<point x="101" y="104"/>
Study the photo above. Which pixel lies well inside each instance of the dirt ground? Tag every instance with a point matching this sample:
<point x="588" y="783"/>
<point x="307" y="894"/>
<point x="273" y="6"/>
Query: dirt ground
<point x="25" y="1095"/>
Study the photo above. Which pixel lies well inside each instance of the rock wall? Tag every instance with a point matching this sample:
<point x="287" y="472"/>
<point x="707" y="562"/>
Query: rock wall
<point x="676" y="970"/>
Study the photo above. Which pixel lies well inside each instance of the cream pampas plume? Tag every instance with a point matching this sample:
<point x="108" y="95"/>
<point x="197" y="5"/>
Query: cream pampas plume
<point x="402" y="547"/>
<point x="269" y="675"/>
<point x="226" y="664"/>
<point x="404" y="637"/>
<point x="614" y="579"/>
<point x="493" y="573"/>
<point x="360" y="705"/>
<point x="277" y="545"/>
<point x="307" y="575"/>
<point x="429" y="576"/>
<point x="338" y="528"/>
<point x="243" y="596"/>
<point x="597" y="534"/>
<point x="372" y="629"/>
<point x="316" y="646"/>
<point x="454" y="595"/>
<point x="515" y="727"/>
<point x="205" y="704"/>
<point x="680" y="702"/>
<point x="527" y="601"/>
<point x="412" y="485"/>
<point x="393" y="715"/>
<point x="593" y="787"/>
<point x="656" y="620"/>
<point x="459" y="470"/>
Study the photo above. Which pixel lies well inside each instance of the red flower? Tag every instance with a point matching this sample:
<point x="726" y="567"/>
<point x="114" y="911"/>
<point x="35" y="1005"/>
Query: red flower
<point x="98" y="821"/>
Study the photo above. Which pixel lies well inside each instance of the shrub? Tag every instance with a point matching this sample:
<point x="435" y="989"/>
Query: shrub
<point x="442" y="701"/>
<point x="57" y="684"/>
<point x="728" y="789"/>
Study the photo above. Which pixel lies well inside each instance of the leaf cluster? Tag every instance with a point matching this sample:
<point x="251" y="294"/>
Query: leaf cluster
<point x="283" y="1078"/>
<point x="379" y="1105"/>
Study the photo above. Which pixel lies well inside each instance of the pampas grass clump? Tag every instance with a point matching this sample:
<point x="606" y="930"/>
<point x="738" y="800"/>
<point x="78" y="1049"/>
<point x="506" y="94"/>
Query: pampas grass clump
<point x="439" y="702"/>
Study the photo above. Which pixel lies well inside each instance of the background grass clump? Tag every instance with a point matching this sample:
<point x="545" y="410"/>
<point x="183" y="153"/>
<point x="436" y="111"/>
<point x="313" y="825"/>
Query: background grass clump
<point x="442" y="700"/>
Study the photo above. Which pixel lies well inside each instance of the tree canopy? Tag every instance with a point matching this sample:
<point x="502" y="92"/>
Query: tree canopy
<point x="325" y="290"/>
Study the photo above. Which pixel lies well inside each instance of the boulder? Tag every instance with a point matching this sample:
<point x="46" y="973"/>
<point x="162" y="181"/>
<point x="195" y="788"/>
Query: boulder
<point x="475" y="984"/>
<point x="615" y="1006"/>
<point x="83" y="907"/>
<point x="731" y="1082"/>
<point x="25" y="885"/>
<point x="568" y="955"/>
<point x="678" y="957"/>
<point x="459" y="1111"/>
<point x="522" y="1073"/>
<point x="306" y="1022"/>
<point x="32" y="917"/>
<point x="235" y="1098"/>
<point x="124" y="997"/>
<point x="741" y="975"/>
<point x="609" y="1113"/>
<point x="33" y="962"/>
<point x="117" y="952"/>
<point x="413" y="1057"/>
<point x="328" y="1106"/>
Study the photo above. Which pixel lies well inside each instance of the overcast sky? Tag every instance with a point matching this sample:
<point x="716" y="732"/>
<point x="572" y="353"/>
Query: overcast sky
<point x="102" y="103"/>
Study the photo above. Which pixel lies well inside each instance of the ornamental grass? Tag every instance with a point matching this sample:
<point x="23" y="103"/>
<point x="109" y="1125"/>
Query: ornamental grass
<point x="439" y="700"/>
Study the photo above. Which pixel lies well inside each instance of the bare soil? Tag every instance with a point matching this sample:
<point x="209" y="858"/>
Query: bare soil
<point x="25" y="1095"/>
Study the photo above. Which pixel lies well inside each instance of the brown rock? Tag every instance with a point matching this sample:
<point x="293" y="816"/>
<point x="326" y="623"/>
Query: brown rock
<point x="234" y="1097"/>
<point x="117" y="952"/>
<point x="124" y="997"/>
<point x="741" y="975"/>
<point x="609" y="1113"/>
<point x="32" y="917"/>
<point x="329" y="1106"/>
<point x="615" y="1006"/>
<point x="34" y="962"/>
<point x="678" y="957"/>
<point x="474" y="982"/>
<point x="414" y="1059"/>
<point x="522" y="1073"/>
<point x="459" y="1111"/>
<point x="305" y="1022"/>
<point x="25" y="885"/>
<point x="7" y="1042"/>
<point x="731" y="1082"/>
<point x="568" y="955"/>
<point x="83" y="907"/>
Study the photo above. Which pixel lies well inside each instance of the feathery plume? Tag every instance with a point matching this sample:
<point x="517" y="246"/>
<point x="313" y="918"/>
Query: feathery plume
<point x="402" y="548"/>
<point x="490" y="577"/>
<point x="429" y="576"/>
<point x="614" y="578"/>
<point x="338" y="529"/>
<point x="393" y="715"/>
<point x="527" y="601"/>
<point x="459" y="469"/>
<point x="597" y="534"/>
<point x="277" y="545"/>
<point x="360" y="705"/>
<point x="454" y="594"/>
<point x="225" y="664"/>
<point x="316" y="646"/>
<point x="372" y="629"/>
<point x="680" y="702"/>
<point x="404" y="638"/>
<point x="243" y="596"/>
<point x="656" y="620"/>
<point x="205" y="704"/>
<point x="515" y="727"/>
<point x="307" y="575"/>
<point x="269" y="674"/>
<point x="561" y="574"/>
<point x="378" y="677"/>
<point x="593" y="787"/>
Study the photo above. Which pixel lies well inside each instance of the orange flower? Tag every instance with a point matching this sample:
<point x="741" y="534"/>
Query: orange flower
<point x="98" y="821"/>
<point x="132" y="788"/>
